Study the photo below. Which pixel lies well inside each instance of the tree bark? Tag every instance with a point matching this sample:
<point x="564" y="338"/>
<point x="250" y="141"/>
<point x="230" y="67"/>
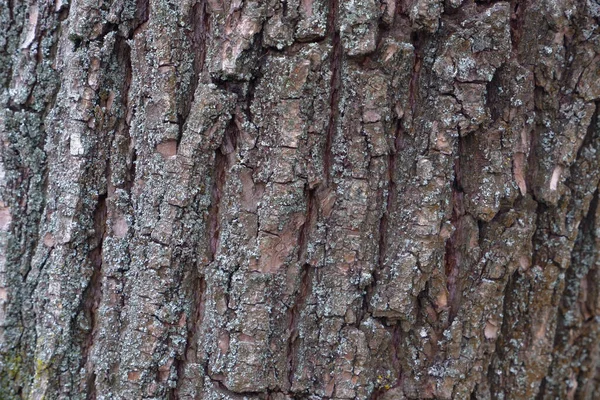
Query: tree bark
<point x="299" y="199"/>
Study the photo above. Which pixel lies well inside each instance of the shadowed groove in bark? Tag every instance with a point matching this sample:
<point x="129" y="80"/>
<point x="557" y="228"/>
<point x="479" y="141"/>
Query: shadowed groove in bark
<point x="492" y="95"/>
<point x="419" y="42"/>
<point x="592" y="136"/>
<point x="294" y="313"/>
<point x="219" y="178"/>
<point x="571" y="319"/>
<point x="494" y="375"/>
<point x="199" y="21"/>
<point x="388" y="207"/>
<point x="142" y="13"/>
<point x="335" y="87"/>
<point x="92" y="294"/>
<point x="397" y="337"/>
<point x="198" y="292"/>
<point x="113" y="118"/>
<point x="583" y="258"/>
<point x="453" y="257"/>
<point x="123" y="58"/>
<point x="311" y="205"/>
<point x="518" y="8"/>
<point x="304" y="288"/>
<point x="390" y="197"/>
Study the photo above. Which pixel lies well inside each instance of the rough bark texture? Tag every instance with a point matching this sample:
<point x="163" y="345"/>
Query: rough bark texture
<point x="299" y="199"/>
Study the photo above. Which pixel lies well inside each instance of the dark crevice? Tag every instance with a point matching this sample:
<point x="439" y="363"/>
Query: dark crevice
<point x="396" y="353"/>
<point x="390" y="198"/>
<point x="230" y="139"/>
<point x="107" y="28"/>
<point x="122" y="52"/>
<point x="304" y="289"/>
<point x="516" y="22"/>
<point x="250" y="95"/>
<point x="228" y="146"/>
<point x="493" y="98"/>
<point x="592" y="132"/>
<point x="583" y="257"/>
<point x="453" y="259"/>
<point x="92" y="295"/>
<point x="335" y="88"/>
<point x="308" y="224"/>
<point x="142" y="12"/>
<point x="199" y="20"/>
<point x="131" y="171"/>
<point x="216" y="194"/>
<point x="229" y="287"/>
<point x="198" y="294"/>
<point x="230" y="394"/>
<point x="418" y="40"/>
<point x="535" y="151"/>
<point x="508" y="300"/>
<point x="91" y="387"/>
<point x="389" y="202"/>
<point x="474" y="394"/>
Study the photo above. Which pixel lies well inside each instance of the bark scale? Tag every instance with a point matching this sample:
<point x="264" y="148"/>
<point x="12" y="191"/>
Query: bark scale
<point x="358" y="199"/>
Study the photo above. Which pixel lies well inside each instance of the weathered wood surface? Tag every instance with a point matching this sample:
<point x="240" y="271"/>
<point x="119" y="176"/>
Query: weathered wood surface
<point x="299" y="199"/>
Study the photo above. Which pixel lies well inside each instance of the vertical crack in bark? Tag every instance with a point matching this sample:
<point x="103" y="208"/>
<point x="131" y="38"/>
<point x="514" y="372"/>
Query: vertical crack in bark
<point x="396" y="347"/>
<point x="294" y="341"/>
<point x="452" y="258"/>
<point x="417" y="40"/>
<point x="142" y="13"/>
<point x="582" y="259"/>
<point x="304" y="288"/>
<point x="571" y="318"/>
<point x="198" y="292"/>
<point x="303" y="238"/>
<point x="92" y="295"/>
<point x="335" y="87"/>
<point x="123" y="56"/>
<point x="500" y="345"/>
<point x="199" y="20"/>
<point x="390" y="199"/>
<point x="117" y="148"/>
<point x="516" y="22"/>
<point x="592" y="134"/>
<point x="219" y="178"/>
<point x="213" y="211"/>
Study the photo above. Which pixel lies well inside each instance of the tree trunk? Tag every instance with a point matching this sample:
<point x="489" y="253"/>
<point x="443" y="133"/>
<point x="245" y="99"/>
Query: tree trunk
<point x="285" y="199"/>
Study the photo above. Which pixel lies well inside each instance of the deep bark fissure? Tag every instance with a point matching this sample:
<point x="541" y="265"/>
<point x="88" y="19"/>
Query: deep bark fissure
<point x="335" y="88"/>
<point x="583" y="257"/>
<point x="218" y="182"/>
<point x="453" y="253"/>
<point x="142" y="14"/>
<point x="293" y="341"/>
<point x="198" y="291"/>
<point x="307" y="226"/>
<point x="507" y="300"/>
<point x="199" y="20"/>
<point x="93" y="293"/>
<point x="419" y="43"/>
<point x="592" y="134"/>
